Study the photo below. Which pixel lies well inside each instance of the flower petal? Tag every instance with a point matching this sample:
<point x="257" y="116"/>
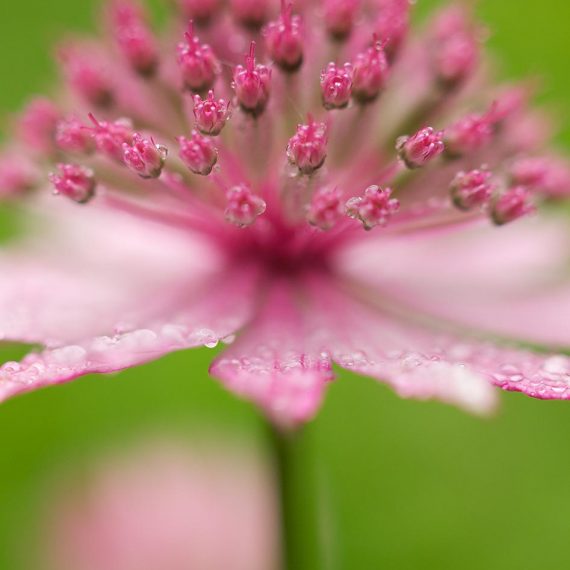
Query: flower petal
<point x="277" y="362"/>
<point x="509" y="282"/>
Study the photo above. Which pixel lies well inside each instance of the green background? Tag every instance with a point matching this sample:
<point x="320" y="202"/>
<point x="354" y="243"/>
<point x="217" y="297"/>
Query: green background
<point x="414" y="485"/>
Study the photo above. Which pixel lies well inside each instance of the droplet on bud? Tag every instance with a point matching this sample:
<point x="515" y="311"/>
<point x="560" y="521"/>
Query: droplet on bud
<point x="307" y="148"/>
<point x="198" y="153"/>
<point x="422" y="147"/>
<point x="471" y="189"/>
<point x="243" y="206"/>
<point x="74" y="182"/>
<point x="211" y="115"/>
<point x="336" y="86"/>
<point x="374" y="208"/>
<point x="144" y="156"/>
<point x="513" y="204"/>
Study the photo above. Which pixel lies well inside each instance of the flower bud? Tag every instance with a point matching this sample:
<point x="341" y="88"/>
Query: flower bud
<point x="252" y="84"/>
<point x="210" y="115"/>
<point x="198" y="153"/>
<point x="284" y="40"/>
<point x="307" y="148"/>
<point x="374" y="208"/>
<point x="144" y="157"/>
<point x="74" y="182"/>
<point x="326" y="208"/>
<point x="512" y="205"/>
<point x="419" y="149"/>
<point x="336" y="86"/>
<point x="243" y="206"/>
<point x="370" y="72"/>
<point x="471" y="189"/>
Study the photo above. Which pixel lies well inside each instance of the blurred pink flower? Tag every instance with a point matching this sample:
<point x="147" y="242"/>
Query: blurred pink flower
<point x="193" y="209"/>
<point x="165" y="507"/>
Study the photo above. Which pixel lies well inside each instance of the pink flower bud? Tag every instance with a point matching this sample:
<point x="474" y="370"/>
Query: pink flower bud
<point x="198" y="153"/>
<point x="455" y="47"/>
<point x="87" y="75"/>
<point x="37" y="124"/>
<point x="110" y="137"/>
<point x="511" y="205"/>
<point x="211" y="115"/>
<point x="468" y="135"/>
<point x="370" y="72"/>
<point x="72" y="135"/>
<point x="471" y="189"/>
<point x="133" y="37"/>
<point x="74" y="182"/>
<point x="307" y="148"/>
<point x="340" y="16"/>
<point x="144" y="157"/>
<point x="250" y="13"/>
<point x="284" y="40"/>
<point x="392" y="24"/>
<point x="18" y="175"/>
<point x="336" y="86"/>
<point x="198" y="64"/>
<point x="375" y="208"/>
<point x="419" y="149"/>
<point x="326" y="208"/>
<point x="548" y="175"/>
<point x="243" y="206"/>
<point x="200" y="11"/>
<point x="252" y="84"/>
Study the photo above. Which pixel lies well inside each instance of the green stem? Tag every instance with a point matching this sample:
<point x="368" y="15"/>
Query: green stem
<point x="301" y="530"/>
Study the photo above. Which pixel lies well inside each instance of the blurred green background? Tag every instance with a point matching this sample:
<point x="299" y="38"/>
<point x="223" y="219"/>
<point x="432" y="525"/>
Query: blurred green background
<point x="415" y="485"/>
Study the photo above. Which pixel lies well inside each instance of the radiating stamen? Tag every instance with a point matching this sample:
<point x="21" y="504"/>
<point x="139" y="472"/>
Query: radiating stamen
<point x="307" y="148"/>
<point x="74" y="182"/>
<point x="326" y="208"/>
<point x="420" y="148"/>
<point x="284" y="40"/>
<point x="144" y="156"/>
<point x="243" y="206"/>
<point x="198" y="64"/>
<point x="198" y="153"/>
<point x="252" y="84"/>
<point x="511" y="205"/>
<point x="471" y="189"/>
<point x="374" y="208"/>
<point x="336" y="86"/>
<point x="210" y="114"/>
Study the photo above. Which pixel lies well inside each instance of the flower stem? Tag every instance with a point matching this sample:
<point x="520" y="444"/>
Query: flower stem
<point x="301" y="531"/>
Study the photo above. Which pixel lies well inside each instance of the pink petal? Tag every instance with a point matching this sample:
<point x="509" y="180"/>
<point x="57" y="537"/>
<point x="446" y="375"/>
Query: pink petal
<point x="277" y="362"/>
<point x="508" y="282"/>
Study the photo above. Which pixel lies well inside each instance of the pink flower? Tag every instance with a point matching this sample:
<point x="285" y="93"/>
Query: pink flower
<point x="268" y="251"/>
<point x="166" y="507"/>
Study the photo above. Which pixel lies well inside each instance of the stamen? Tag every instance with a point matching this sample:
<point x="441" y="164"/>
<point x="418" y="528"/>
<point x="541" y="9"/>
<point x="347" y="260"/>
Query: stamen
<point x="145" y="157"/>
<point x="307" y="148"/>
<point x="133" y="37"/>
<point x="37" y="124"/>
<point x="211" y="115"/>
<point x="198" y="64"/>
<point x="419" y="149"/>
<point x="469" y="134"/>
<point x="471" y="189"/>
<point x="252" y="84"/>
<point x="370" y="72"/>
<point x="198" y="153"/>
<point x="392" y="24"/>
<point x="250" y="13"/>
<point x="284" y="41"/>
<point x="74" y="182"/>
<point x="340" y="16"/>
<point x="110" y="137"/>
<point x="511" y="205"/>
<point x="87" y="76"/>
<point x="18" y="175"/>
<point x="455" y="48"/>
<point x="336" y="86"/>
<point x="72" y="135"/>
<point x="374" y="208"/>
<point x="549" y="175"/>
<point x="326" y="208"/>
<point x="243" y="206"/>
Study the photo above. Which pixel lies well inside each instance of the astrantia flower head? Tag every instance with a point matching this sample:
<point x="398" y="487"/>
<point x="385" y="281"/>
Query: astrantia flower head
<point x="376" y="214"/>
